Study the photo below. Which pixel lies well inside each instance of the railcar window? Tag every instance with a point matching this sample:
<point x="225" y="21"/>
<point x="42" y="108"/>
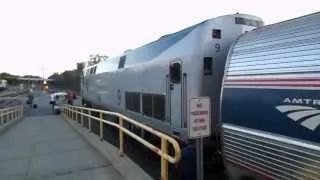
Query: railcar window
<point x="159" y="107"/>
<point x="133" y="101"/>
<point x="248" y="22"/>
<point x="147" y="104"/>
<point x="153" y="105"/>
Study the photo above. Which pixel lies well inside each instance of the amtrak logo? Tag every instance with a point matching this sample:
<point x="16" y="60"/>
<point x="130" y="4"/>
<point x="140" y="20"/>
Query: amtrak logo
<point x="310" y="115"/>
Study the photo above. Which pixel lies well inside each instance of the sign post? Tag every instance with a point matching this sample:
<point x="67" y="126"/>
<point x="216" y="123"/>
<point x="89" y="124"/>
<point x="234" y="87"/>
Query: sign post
<point x="199" y="126"/>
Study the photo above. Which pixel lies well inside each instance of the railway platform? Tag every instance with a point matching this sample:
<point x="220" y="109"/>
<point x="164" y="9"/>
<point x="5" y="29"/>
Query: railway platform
<point x="36" y="144"/>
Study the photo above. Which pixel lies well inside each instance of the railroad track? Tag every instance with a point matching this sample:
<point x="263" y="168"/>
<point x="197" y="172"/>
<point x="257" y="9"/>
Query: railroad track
<point x="4" y="103"/>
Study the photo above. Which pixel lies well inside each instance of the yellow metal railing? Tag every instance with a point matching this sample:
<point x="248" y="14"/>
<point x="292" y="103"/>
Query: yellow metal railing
<point x="72" y="112"/>
<point x="11" y="113"/>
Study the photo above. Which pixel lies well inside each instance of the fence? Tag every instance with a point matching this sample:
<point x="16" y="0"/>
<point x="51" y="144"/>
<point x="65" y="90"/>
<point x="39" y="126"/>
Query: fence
<point x="11" y="113"/>
<point x="73" y="112"/>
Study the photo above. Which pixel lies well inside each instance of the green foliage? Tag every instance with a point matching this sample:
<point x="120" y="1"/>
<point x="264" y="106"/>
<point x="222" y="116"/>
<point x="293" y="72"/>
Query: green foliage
<point x="31" y="76"/>
<point x="80" y="66"/>
<point x="11" y="79"/>
<point x="69" y="79"/>
<point x="95" y="59"/>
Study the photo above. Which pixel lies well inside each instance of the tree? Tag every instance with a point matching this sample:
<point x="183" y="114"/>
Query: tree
<point x="69" y="79"/>
<point x="11" y="79"/>
<point x="31" y="76"/>
<point x="95" y="59"/>
<point x="80" y="66"/>
<point x="54" y="76"/>
<point x="5" y="75"/>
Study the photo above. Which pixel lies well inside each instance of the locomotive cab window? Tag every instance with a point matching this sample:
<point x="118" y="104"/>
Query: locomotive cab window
<point x="248" y="22"/>
<point x="216" y="33"/>
<point x="175" y="72"/>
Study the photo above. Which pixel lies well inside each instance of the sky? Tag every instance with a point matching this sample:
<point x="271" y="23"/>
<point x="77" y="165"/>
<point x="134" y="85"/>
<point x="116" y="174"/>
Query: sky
<point x="40" y="37"/>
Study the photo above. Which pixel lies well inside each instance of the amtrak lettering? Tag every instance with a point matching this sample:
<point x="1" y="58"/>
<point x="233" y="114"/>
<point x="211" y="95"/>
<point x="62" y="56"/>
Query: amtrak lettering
<point x="302" y="101"/>
<point x="309" y="116"/>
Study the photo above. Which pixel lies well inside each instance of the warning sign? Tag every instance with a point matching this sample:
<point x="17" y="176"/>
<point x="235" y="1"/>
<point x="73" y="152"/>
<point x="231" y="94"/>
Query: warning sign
<point x="199" y="117"/>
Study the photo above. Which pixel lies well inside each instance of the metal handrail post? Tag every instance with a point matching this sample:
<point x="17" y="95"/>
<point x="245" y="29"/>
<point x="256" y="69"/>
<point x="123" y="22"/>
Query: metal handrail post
<point x="82" y="124"/>
<point x="66" y="113"/>
<point x="72" y="113"/>
<point x="120" y="136"/>
<point x="16" y="112"/>
<point x="22" y="111"/>
<point x="69" y="115"/>
<point x="89" y="122"/>
<point x="10" y="115"/>
<point x="164" y="162"/>
<point x="101" y="126"/>
<point x="2" y="116"/>
<point x="76" y="113"/>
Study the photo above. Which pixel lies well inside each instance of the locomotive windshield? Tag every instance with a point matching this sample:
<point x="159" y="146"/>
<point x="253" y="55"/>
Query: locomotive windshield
<point x="248" y="22"/>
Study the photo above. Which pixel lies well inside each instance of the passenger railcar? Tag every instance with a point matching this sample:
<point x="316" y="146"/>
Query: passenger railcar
<point x="271" y="100"/>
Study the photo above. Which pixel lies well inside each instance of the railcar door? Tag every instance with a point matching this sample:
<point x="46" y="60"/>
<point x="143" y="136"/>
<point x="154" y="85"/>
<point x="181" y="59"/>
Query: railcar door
<point x="174" y="94"/>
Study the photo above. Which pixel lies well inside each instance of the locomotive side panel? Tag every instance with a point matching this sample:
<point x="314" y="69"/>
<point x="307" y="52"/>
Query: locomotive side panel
<point x="270" y="105"/>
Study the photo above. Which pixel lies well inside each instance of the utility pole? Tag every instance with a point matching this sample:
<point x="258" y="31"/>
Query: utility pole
<point x="43" y="80"/>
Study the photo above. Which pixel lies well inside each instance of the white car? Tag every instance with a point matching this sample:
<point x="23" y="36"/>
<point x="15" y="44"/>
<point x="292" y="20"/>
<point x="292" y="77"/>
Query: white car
<point x="56" y="100"/>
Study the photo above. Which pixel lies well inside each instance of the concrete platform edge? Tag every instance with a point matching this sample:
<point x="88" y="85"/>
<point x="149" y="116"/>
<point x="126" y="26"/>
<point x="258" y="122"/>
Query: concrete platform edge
<point x="124" y="165"/>
<point x="8" y="125"/>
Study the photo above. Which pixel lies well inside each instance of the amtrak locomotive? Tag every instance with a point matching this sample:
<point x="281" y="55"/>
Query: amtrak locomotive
<point x="153" y="83"/>
<point x="270" y="100"/>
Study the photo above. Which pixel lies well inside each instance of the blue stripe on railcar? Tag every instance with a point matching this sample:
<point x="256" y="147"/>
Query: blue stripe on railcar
<point x="257" y="109"/>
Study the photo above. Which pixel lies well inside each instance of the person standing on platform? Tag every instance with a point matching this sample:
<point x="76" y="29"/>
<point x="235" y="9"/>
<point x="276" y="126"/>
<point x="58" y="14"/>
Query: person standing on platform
<point x="70" y="97"/>
<point x="30" y="97"/>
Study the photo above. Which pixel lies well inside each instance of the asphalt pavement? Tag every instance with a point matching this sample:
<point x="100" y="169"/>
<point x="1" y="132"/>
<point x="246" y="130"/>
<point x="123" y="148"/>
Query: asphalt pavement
<point x="45" y="146"/>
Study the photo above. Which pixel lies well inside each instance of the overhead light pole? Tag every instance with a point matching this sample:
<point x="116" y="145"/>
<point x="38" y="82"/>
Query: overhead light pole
<point x="43" y="69"/>
<point x="42" y="85"/>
